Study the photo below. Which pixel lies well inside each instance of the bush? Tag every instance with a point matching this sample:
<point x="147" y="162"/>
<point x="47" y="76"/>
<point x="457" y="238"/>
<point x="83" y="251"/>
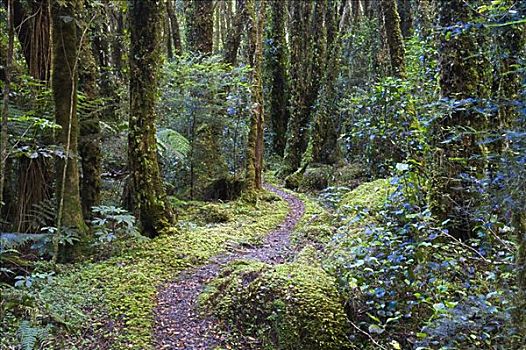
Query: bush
<point x="288" y="306"/>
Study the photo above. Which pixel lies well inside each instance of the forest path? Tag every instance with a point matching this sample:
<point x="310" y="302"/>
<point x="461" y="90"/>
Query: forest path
<point x="178" y="324"/>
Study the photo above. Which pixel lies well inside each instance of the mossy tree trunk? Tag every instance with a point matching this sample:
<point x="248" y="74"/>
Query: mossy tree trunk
<point x="64" y="84"/>
<point x="174" y="27"/>
<point x="325" y="128"/>
<point x="463" y="75"/>
<point x="5" y="106"/>
<point x="234" y="35"/>
<point x="512" y="45"/>
<point x="255" y="137"/>
<point x="150" y="204"/>
<point x="395" y="40"/>
<point x="297" y="129"/>
<point x="406" y="17"/>
<point x="89" y="146"/>
<point x="200" y="26"/>
<point x="279" y="79"/>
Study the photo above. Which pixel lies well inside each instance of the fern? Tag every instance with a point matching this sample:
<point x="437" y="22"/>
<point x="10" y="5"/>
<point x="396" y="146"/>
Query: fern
<point x="30" y="336"/>
<point x="42" y="214"/>
<point x="173" y="143"/>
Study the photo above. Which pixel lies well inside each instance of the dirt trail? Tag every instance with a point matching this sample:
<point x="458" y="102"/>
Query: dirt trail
<point x="177" y="322"/>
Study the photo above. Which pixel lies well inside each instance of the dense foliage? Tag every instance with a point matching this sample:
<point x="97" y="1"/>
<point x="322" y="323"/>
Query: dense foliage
<point x="136" y="136"/>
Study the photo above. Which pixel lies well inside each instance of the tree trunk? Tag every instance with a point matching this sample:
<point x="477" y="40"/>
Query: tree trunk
<point x="234" y="35"/>
<point x="64" y="84"/>
<point x="463" y="75"/>
<point x="34" y="34"/>
<point x="200" y="26"/>
<point x="5" y="108"/>
<point x="406" y="17"/>
<point x="297" y="129"/>
<point x="174" y="27"/>
<point x="255" y="136"/>
<point x="150" y="204"/>
<point x="89" y="146"/>
<point x="279" y="84"/>
<point x="395" y="41"/>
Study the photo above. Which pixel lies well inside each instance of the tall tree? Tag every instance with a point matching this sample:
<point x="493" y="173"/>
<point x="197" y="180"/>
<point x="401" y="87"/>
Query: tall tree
<point x="33" y="26"/>
<point x="200" y="26"/>
<point x="395" y="40"/>
<point x="324" y="134"/>
<point x="297" y="129"/>
<point x="174" y="27"/>
<point x="89" y="145"/>
<point x="463" y="75"/>
<point x="276" y="62"/>
<point x="406" y="17"/>
<point x="5" y="107"/>
<point x="64" y="84"/>
<point x="255" y="136"/>
<point x="233" y="39"/>
<point x="149" y="204"/>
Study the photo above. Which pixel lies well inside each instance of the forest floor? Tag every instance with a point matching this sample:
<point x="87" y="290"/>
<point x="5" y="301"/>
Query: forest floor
<point x="178" y="323"/>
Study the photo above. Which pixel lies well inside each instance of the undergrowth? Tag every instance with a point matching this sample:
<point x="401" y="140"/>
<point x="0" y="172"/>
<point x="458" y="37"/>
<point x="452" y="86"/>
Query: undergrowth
<point x="110" y="303"/>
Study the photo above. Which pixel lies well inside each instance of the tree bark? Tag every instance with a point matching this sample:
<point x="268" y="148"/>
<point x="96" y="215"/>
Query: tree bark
<point x="297" y="129"/>
<point x="255" y="136"/>
<point x="234" y="35"/>
<point x="463" y="75"/>
<point x="200" y="26"/>
<point x="89" y="146"/>
<point x="64" y="84"/>
<point x="5" y="108"/>
<point x="34" y="34"/>
<point x="150" y="204"/>
<point x="279" y="84"/>
<point x="394" y="37"/>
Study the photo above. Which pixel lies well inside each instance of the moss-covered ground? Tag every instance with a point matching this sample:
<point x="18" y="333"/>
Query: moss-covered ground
<point x="109" y="304"/>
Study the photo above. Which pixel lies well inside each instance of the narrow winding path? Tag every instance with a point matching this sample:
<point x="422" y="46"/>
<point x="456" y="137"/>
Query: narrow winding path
<point x="177" y="322"/>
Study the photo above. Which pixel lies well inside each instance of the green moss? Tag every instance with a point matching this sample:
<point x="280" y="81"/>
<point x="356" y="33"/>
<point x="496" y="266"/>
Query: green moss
<point x="288" y="306"/>
<point x="370" y="195"/>
<point x="114" y="299"/>
<point x="316" y="178"/>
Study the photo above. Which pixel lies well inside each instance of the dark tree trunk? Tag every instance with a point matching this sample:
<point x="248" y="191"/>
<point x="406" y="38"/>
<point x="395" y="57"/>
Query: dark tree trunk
<point x="462" y="75"/>
<point x="5" y="106"/>
<point x="395" y="40"/>
<point x="149" y="203"/>
<point x="406" y="17"/>
<point x="255" y="136"/>
<point x="297" y="129"/>
<point x="174" y="28"/>
<point x="234" y="35"/>
<point x="33" y="28"/>
<point x="200" y="26"/>
<point x="89" y="146"/>
<point x="64" y="83"/>
<point x="277" y="68"/>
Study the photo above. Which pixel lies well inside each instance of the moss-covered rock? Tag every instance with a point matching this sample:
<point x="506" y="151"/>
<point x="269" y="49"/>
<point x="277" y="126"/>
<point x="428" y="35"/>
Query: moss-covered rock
<point x="316" y="177"/>
<point x="371" y="195"/>
<point x="293" y="181"/>
<point x="215" y="214"/>
<point x="289" y="306"/>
